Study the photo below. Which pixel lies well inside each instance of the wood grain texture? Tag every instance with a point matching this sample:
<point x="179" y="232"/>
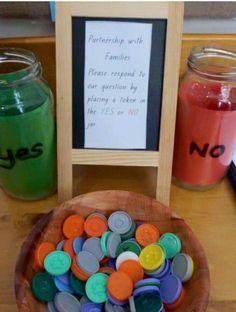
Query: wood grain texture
<point x="139" y="207"/>
<point x="144" y="9"/>
<point x="64" y="102"/>
<point x="169" y="101"/>
<point x="115" y="158"/>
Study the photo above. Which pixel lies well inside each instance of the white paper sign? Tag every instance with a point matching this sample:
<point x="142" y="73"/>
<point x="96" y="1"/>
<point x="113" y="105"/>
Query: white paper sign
<point x="117" y="60"/>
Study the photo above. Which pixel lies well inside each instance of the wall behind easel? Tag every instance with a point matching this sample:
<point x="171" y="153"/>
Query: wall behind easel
<point x="27" y="19"/>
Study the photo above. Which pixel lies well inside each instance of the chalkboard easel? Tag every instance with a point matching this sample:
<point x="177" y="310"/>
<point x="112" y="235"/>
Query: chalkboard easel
<point x="83" y="53"/>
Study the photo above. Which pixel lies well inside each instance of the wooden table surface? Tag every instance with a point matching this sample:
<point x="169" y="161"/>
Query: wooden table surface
<point x="211" y="215"/>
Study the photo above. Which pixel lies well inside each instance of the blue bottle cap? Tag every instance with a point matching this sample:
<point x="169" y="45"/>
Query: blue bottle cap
<point x="92" y="307"/>
<point x="151" y="281"/>
<point x="146" y="290"/>
<point x="62" y="287"/>
<point x="116" y="302"/>
<point x="170" y="289"/>
<point x="64" y="278"/>
<point x="78" y="244"/>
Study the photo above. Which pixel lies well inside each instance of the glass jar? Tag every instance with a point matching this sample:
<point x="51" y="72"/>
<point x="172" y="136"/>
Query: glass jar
<point x="27" y="127"/>
<point x="205" y="136"/>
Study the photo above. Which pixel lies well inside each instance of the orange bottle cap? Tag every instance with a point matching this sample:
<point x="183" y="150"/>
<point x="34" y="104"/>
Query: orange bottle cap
<point x="120" y="286"/>
<point x="147" y="234"/>
<point x="73" y="226"/>
<point x="42" y="251"/>
<point x="95" y="226"/>
<point x="133" y="269"/>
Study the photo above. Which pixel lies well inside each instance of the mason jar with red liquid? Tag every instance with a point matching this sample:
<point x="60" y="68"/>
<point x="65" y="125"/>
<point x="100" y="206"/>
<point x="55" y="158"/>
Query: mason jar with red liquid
<point x="205" y="136"/>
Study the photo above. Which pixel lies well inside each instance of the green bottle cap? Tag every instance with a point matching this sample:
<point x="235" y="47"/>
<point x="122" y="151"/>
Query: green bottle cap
<point x="103" y="242"/>
<point x="148" y="302"/>
<point x="171" y="244"/>
<point x="129" y="246"/>
<point x="43" y="287"/>
<point x="57" y="263"/>
<point x="96" y="288"/>
<point x="130" y="233"/>
<point x="77" y="285"/>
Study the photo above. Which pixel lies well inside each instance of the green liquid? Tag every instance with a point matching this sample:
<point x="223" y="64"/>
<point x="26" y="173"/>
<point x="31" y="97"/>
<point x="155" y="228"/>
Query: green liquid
<point x="28" y="152"/>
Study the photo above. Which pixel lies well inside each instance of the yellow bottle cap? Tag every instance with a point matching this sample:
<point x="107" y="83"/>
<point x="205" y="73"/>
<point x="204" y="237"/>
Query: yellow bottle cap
<point x="151" y="257"/>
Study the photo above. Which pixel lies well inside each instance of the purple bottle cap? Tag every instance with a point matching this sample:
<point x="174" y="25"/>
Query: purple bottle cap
<point x="147" y="281"/>
<point x="112" y="263"/>
<point x="164" y="272"/>
<point x="91" y="307"/>
<point x="116" y="302"/>
<point x="170" y="289"/>
<point x="146" y="290"/>
<point x="60" y="245"/>
<point x="62" y="287"/>
<point x="64" y="278"/>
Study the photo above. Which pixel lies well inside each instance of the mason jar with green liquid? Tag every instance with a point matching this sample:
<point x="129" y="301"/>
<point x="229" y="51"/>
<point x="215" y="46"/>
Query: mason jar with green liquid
<point x="27" y="127"/>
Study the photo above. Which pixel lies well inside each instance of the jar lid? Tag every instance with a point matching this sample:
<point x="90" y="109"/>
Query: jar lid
<point x="213" y="63"/>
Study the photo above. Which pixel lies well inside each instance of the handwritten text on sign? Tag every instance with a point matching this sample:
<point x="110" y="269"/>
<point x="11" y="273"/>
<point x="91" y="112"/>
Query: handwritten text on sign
<point x="117" y="59"/>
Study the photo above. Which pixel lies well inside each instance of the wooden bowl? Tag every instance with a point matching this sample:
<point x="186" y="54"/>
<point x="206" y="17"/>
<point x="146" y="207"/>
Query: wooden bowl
<point x="140" y="208"/>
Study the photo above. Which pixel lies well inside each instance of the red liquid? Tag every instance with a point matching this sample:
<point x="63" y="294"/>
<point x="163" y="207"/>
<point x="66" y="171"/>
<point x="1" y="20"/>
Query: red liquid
<point x="205" y="136"/>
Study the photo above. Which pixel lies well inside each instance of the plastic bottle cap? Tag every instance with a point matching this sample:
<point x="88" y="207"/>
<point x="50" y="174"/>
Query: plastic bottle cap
<point x="43" y="287"/>
<point x="147" y="234"/>
<point x="171" y="243"/>
<point x="170" y="289"/>
<point x="120" y="222"/>
<point x="129" y="246"/>
<point x="113" y="243"/>
<point x="87" y="262"/>
<point x="78" y="244"/>
<point x="175" y="305"/>
<point x="42" y="251"/>
<point x="130" y="233"/>
<point x="161" y="273"/>
<point x="96" y="288"/>
<point x="68" y="247"/>
<point x="115" y="301"/>
<point x="109" y="307"/>
<point x="77" y="285"/>
<point x="57" y="263"/>
<point x="61" y="286"/>
<point x="103" y="241"/>
<point x="51" y="307"/>
<point x="97" y="215"/>
<point x="132" y="304"/>
<point x="106" y="270"/>
<point x="73" y="226"/>
<point x="120" y="285"/>
<point x="95" y="226"/>
<point x="64" y="278"/>
<point x="151" y="257"/>
<point x="151" y="281"/>
<point x="78" y="272"/>
<point x="93" y="245"/>
<point x="127" y="255"/>
<point x="92" y="307"/>
<point x="182" y="266"/>
<point x="146" y="290"/>
<point x="133" y="269"/>
<point x="148" y="303"/>
<point x="60" y="245"/>
<point x="66" y="302"/>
